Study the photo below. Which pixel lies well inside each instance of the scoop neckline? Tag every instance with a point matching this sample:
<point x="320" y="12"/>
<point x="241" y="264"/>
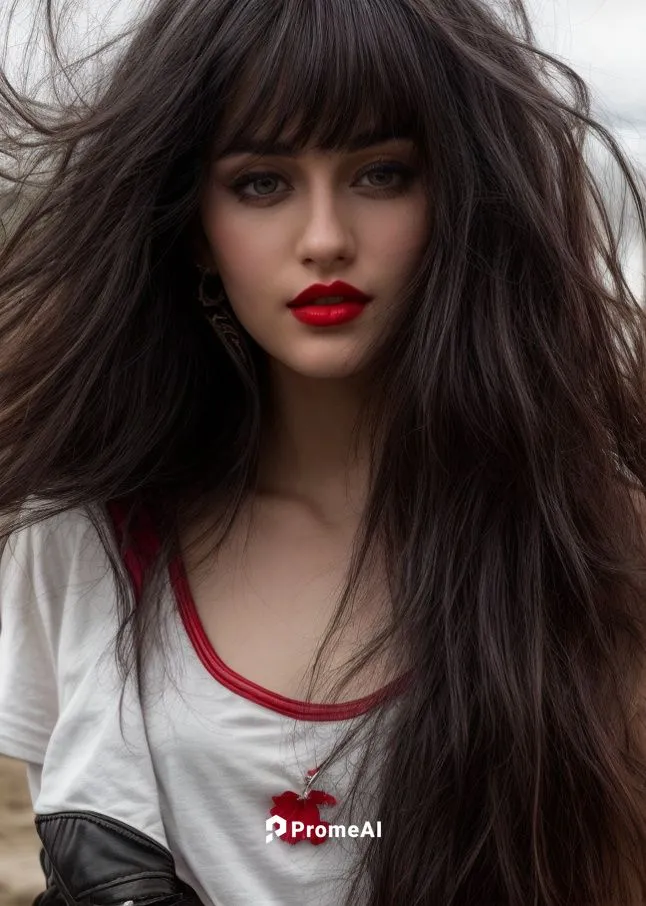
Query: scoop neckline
<point x="260" y="695"/>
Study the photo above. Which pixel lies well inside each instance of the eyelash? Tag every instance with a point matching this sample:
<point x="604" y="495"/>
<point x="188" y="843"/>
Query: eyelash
<point x="401" y="170"/>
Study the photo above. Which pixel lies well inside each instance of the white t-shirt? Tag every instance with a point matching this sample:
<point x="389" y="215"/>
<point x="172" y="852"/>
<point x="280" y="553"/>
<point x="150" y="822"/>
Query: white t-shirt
<point x="202" y="757"/>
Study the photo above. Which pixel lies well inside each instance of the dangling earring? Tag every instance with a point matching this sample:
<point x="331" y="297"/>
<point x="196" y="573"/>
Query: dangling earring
<point x="214" y="304"/>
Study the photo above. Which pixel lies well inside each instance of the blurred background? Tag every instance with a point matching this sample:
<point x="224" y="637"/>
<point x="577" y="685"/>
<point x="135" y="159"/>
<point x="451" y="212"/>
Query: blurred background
<point x="604" y="40"/>
<point x="20" y="874"/>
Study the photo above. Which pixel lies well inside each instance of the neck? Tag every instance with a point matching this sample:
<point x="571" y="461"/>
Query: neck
<point x="311" y="451"/>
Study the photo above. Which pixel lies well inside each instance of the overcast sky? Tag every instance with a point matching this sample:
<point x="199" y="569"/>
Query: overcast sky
<point x="605" y="41"/>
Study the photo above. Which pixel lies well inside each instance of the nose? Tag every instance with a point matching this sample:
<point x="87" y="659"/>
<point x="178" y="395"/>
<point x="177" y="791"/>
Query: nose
<point x="325" y="236"/>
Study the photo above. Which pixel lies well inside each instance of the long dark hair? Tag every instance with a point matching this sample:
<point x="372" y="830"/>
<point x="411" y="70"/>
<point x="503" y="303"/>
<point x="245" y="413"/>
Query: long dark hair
<point x="508" y="432"/>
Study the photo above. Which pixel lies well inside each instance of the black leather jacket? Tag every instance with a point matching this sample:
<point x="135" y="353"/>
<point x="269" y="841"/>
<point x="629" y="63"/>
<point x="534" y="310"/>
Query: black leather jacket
<point x="92" y="860"/>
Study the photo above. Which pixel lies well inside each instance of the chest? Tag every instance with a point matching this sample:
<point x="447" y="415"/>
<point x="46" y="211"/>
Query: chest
<point x="266" y="600"/>
<point x="219" y="759"/>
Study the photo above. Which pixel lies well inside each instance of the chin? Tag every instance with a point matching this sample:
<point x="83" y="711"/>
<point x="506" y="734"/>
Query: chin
<point x="325" y="368"/>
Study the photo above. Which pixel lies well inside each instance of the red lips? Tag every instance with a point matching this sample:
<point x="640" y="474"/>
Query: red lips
<point x="320" y="291"/>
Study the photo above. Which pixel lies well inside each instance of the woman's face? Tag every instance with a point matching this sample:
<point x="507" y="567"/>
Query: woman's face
<point x="276" y="223"/>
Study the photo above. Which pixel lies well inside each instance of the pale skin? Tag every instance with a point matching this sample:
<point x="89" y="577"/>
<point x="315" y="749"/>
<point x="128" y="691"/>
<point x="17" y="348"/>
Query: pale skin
<point x="318" y="217"/>
<point x="313" y="217"/>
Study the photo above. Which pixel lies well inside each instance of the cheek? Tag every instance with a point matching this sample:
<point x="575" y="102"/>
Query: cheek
<point x="239" y="250"/>
<point x="244" y="255"/>
<point x="399" y="240"/>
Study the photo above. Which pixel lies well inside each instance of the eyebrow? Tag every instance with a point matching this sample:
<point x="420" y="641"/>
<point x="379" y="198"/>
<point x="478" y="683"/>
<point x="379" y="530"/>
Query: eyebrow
<point x="279" y="148"/>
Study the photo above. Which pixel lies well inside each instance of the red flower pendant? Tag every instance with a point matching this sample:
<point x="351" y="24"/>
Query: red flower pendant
<point x="304" y="808"/>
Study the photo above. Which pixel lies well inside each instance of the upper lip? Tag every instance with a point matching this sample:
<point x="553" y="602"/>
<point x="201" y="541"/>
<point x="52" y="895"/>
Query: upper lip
<point x="320" y="291"/>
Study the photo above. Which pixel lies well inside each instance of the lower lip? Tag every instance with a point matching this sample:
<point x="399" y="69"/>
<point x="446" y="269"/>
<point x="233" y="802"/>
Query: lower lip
<point x="328" y="315"/>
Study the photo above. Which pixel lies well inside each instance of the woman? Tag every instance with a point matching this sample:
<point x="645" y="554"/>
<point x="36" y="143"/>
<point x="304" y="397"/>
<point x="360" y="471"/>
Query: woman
<point x="368" y="553"/>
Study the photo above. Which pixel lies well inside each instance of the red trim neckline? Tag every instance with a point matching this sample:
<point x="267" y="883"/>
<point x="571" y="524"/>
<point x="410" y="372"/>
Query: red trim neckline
<point x="235" y="682"/>
<point x="143" y="546"/>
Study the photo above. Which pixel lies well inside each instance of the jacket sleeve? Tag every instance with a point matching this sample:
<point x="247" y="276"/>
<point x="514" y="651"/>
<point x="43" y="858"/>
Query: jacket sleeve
<point x="91" y="860"/>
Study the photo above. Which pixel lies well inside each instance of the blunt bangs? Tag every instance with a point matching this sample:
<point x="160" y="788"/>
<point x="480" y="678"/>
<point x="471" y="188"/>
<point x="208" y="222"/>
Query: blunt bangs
<point x="317" y="74"/>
